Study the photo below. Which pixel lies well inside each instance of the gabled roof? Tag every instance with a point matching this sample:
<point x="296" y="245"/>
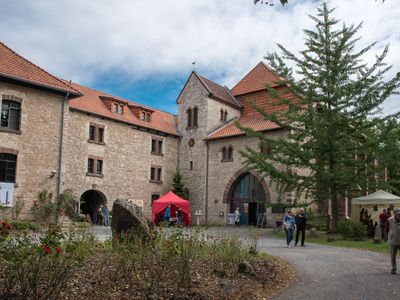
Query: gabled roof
<point x="15" y="67"/>
<point x="218" y="92"/>
<point x="91" y="102"/>
<point x="215" y="91"/>
<point x="256" y="80"/>
<point x="254" y="121"/>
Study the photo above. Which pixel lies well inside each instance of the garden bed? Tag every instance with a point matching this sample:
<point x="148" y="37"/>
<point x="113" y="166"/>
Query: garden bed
<point x="172" y="265"/>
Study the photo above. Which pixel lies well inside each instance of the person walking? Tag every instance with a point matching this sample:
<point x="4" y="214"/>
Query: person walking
<point x="383" y="218"/>
<point x="393" y="227"/>
<point x="289" y="224"/>
<point x="237" y="217"/>
<point x="301" y="223"/>
<point x="106" y="215"/>
<point x="167" y="214"/>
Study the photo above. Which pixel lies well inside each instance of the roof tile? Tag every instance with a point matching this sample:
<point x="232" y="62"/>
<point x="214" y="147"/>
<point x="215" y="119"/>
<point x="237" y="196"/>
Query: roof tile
<point x="15" y="66"/>
<point x="256" y="80"/>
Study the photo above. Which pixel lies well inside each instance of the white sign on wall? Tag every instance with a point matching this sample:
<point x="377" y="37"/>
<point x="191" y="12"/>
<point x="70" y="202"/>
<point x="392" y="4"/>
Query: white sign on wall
<point x="6" y="194"/>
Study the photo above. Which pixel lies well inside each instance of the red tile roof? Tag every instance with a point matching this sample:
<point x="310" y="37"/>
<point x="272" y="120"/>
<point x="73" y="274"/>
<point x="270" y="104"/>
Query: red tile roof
<point x="14" y="66"/>
<point x="255" y="121"/>
<point x="91" y="102"/>
<point x="256" y="80"/>
<point x="218" y="91"/>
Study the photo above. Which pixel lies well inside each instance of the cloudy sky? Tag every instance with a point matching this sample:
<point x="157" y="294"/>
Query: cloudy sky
<point x="143" y="50"/>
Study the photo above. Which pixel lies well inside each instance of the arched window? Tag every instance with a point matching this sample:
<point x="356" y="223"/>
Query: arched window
<point x="226" y="116"/>
<point x="223" y="154"/>
<point x="10" y="114"/>
<point x="195" y="116"/>
<point x="8" y="167"/>
<point x="221" y="118"/>
<point x="189" y="118"/>
<point x="230" y="153"/>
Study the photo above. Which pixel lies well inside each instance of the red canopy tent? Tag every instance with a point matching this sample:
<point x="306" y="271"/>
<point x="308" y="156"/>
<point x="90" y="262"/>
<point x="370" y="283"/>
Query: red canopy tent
<point x="159" y="206"/>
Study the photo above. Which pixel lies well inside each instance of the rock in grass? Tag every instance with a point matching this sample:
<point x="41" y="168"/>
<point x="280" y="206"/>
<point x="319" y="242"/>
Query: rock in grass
<point x="245" y="268"/>
<point x="313" y="233"/>
<point x="128" y="217"/>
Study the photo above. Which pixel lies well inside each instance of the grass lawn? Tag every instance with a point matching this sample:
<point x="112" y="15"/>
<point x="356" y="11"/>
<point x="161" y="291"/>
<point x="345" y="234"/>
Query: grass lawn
<point x="367" y="244"/>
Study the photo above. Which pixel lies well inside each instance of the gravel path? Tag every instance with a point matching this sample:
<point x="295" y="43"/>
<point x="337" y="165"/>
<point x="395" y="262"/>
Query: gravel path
<point x="325" y="272"/>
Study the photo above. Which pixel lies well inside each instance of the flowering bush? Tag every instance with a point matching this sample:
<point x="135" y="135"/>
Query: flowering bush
<point x="39" y="269"/>
<point x="5" y="229"/>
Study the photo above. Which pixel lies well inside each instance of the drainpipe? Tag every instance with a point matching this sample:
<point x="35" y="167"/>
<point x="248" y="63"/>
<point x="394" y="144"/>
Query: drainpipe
<point x="207" y="159"/>
<point x="60" y="151"/>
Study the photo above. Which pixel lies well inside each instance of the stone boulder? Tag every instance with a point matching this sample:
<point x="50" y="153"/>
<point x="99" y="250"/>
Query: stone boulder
<point x="127" y="216"/>
<point x="313" y="233"/>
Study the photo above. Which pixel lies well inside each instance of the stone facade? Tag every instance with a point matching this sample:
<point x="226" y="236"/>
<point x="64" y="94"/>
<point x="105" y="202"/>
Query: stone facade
<point x="127" y="160"/>
<point x="37" y="142"/>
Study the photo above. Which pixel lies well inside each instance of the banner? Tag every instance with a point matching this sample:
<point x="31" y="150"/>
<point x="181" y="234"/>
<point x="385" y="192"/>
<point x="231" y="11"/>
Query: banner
<point x="6" y="194"/>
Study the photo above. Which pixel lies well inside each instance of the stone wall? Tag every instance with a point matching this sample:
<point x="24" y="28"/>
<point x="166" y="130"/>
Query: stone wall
<point x="222" y="175"/>
<point x="127" y="160"/>
<point x="214" y="114"/>
<point x="37" y="144"/>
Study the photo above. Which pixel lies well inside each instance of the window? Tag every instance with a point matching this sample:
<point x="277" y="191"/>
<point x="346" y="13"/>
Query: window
<point x="10" y="114"/>
<point x="121" y="109"/>
<point x="226" y="116"/>
<point x="99" y="167"/>
<point x="195" y="116"/>
<point x="221" y="117"/>
<point x="154" y="197"/>
<point x="8" y="167"/>
<point x="189" y="118"/>
<point x="96" y="133"/>
<point x="115" y="108"/>
<point x="191" y="165"/>
<point x="156" y="174"/>
<point x="101" y="135"/>
<point x="143" y="116"/>
<point x="92" y="130"/>
<point x="95" y="166"/>
<point x="148" y="117"/>
<point x="156" y="146"/>
<point x="227" y="154"/>
<point x="264" y="149"/>
<point x="90" y="165"/>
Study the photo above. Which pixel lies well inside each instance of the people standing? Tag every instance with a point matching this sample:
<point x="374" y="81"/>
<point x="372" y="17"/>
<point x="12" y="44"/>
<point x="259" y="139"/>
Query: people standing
<point x="237" y="217"/>
<point x="383" y="218"/>
<point x="106" y="215"/>
<point x="100" y="215"/>
<point x="393" y="227"/>
<point x="301" y="223"/>
<point x="167" y="214"/>
<point x="179" y="216"/>
<point x="289" y="224"/>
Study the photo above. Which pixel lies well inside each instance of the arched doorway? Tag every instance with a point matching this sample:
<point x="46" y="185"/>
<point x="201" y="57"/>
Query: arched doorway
<point x="90" y="202"/>
<point x="248" y="193"/>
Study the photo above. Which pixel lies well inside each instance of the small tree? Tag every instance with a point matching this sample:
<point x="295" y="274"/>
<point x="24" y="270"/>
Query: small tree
<point x="179" y="187"/>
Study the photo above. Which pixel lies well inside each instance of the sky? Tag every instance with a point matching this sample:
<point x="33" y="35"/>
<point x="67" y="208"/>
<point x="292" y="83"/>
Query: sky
<point x="143" y="50"/>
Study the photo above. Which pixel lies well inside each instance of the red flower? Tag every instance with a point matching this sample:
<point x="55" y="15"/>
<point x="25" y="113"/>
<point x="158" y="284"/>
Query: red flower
<point x="8" y="226"/>
<point x="58" y="250"/>
<point x="47" y="249"/>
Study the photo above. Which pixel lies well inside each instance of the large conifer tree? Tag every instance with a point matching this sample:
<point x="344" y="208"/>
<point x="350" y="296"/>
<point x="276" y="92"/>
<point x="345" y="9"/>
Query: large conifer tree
<point x="334" y="118"/>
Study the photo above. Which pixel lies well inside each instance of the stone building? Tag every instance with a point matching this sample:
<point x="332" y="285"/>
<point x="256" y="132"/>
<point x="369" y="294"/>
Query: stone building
<point x="59" y="135"/>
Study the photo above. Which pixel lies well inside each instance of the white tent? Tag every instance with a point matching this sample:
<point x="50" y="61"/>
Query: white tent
<point x="374" y="203"/>
<point x="378" y="198"/>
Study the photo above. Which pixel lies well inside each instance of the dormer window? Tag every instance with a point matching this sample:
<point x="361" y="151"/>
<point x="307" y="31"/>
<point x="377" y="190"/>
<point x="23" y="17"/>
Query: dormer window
<point x="115" y="107"/>
<point x="121" y="109"/>
<point x="143" y="118"/>
<point x="148" y="117"/>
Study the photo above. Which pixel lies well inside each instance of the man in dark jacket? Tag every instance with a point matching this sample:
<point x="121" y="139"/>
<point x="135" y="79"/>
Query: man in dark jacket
<point x="301" y="222"/>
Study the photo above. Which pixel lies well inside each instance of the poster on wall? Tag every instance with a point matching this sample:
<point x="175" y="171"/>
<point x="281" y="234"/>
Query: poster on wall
<point x="6" y="194"/>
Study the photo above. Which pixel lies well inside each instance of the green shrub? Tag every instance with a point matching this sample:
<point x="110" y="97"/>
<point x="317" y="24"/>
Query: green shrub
<point x="351" y="230"/>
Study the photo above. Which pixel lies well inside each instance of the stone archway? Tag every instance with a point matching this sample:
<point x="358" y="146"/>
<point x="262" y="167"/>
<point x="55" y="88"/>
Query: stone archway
<point x="90" y="202"/>
<point x="248" y="191"/>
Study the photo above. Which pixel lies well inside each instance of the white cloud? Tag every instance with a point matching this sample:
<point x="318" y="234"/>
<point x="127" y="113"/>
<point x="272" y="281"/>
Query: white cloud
<point x="79" y="40"/>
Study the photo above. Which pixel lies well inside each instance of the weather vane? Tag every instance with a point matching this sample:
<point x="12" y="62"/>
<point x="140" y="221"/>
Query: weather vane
<point x="194" y="65"/>
<point x="271" y="2"/>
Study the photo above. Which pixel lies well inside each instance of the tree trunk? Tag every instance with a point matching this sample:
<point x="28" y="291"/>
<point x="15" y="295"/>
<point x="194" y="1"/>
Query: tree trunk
<point x="335" y="208"/>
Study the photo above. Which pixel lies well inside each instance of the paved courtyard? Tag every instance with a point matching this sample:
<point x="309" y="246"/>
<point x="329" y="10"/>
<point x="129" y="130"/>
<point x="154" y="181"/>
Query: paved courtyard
<point x="325" y="272"/>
